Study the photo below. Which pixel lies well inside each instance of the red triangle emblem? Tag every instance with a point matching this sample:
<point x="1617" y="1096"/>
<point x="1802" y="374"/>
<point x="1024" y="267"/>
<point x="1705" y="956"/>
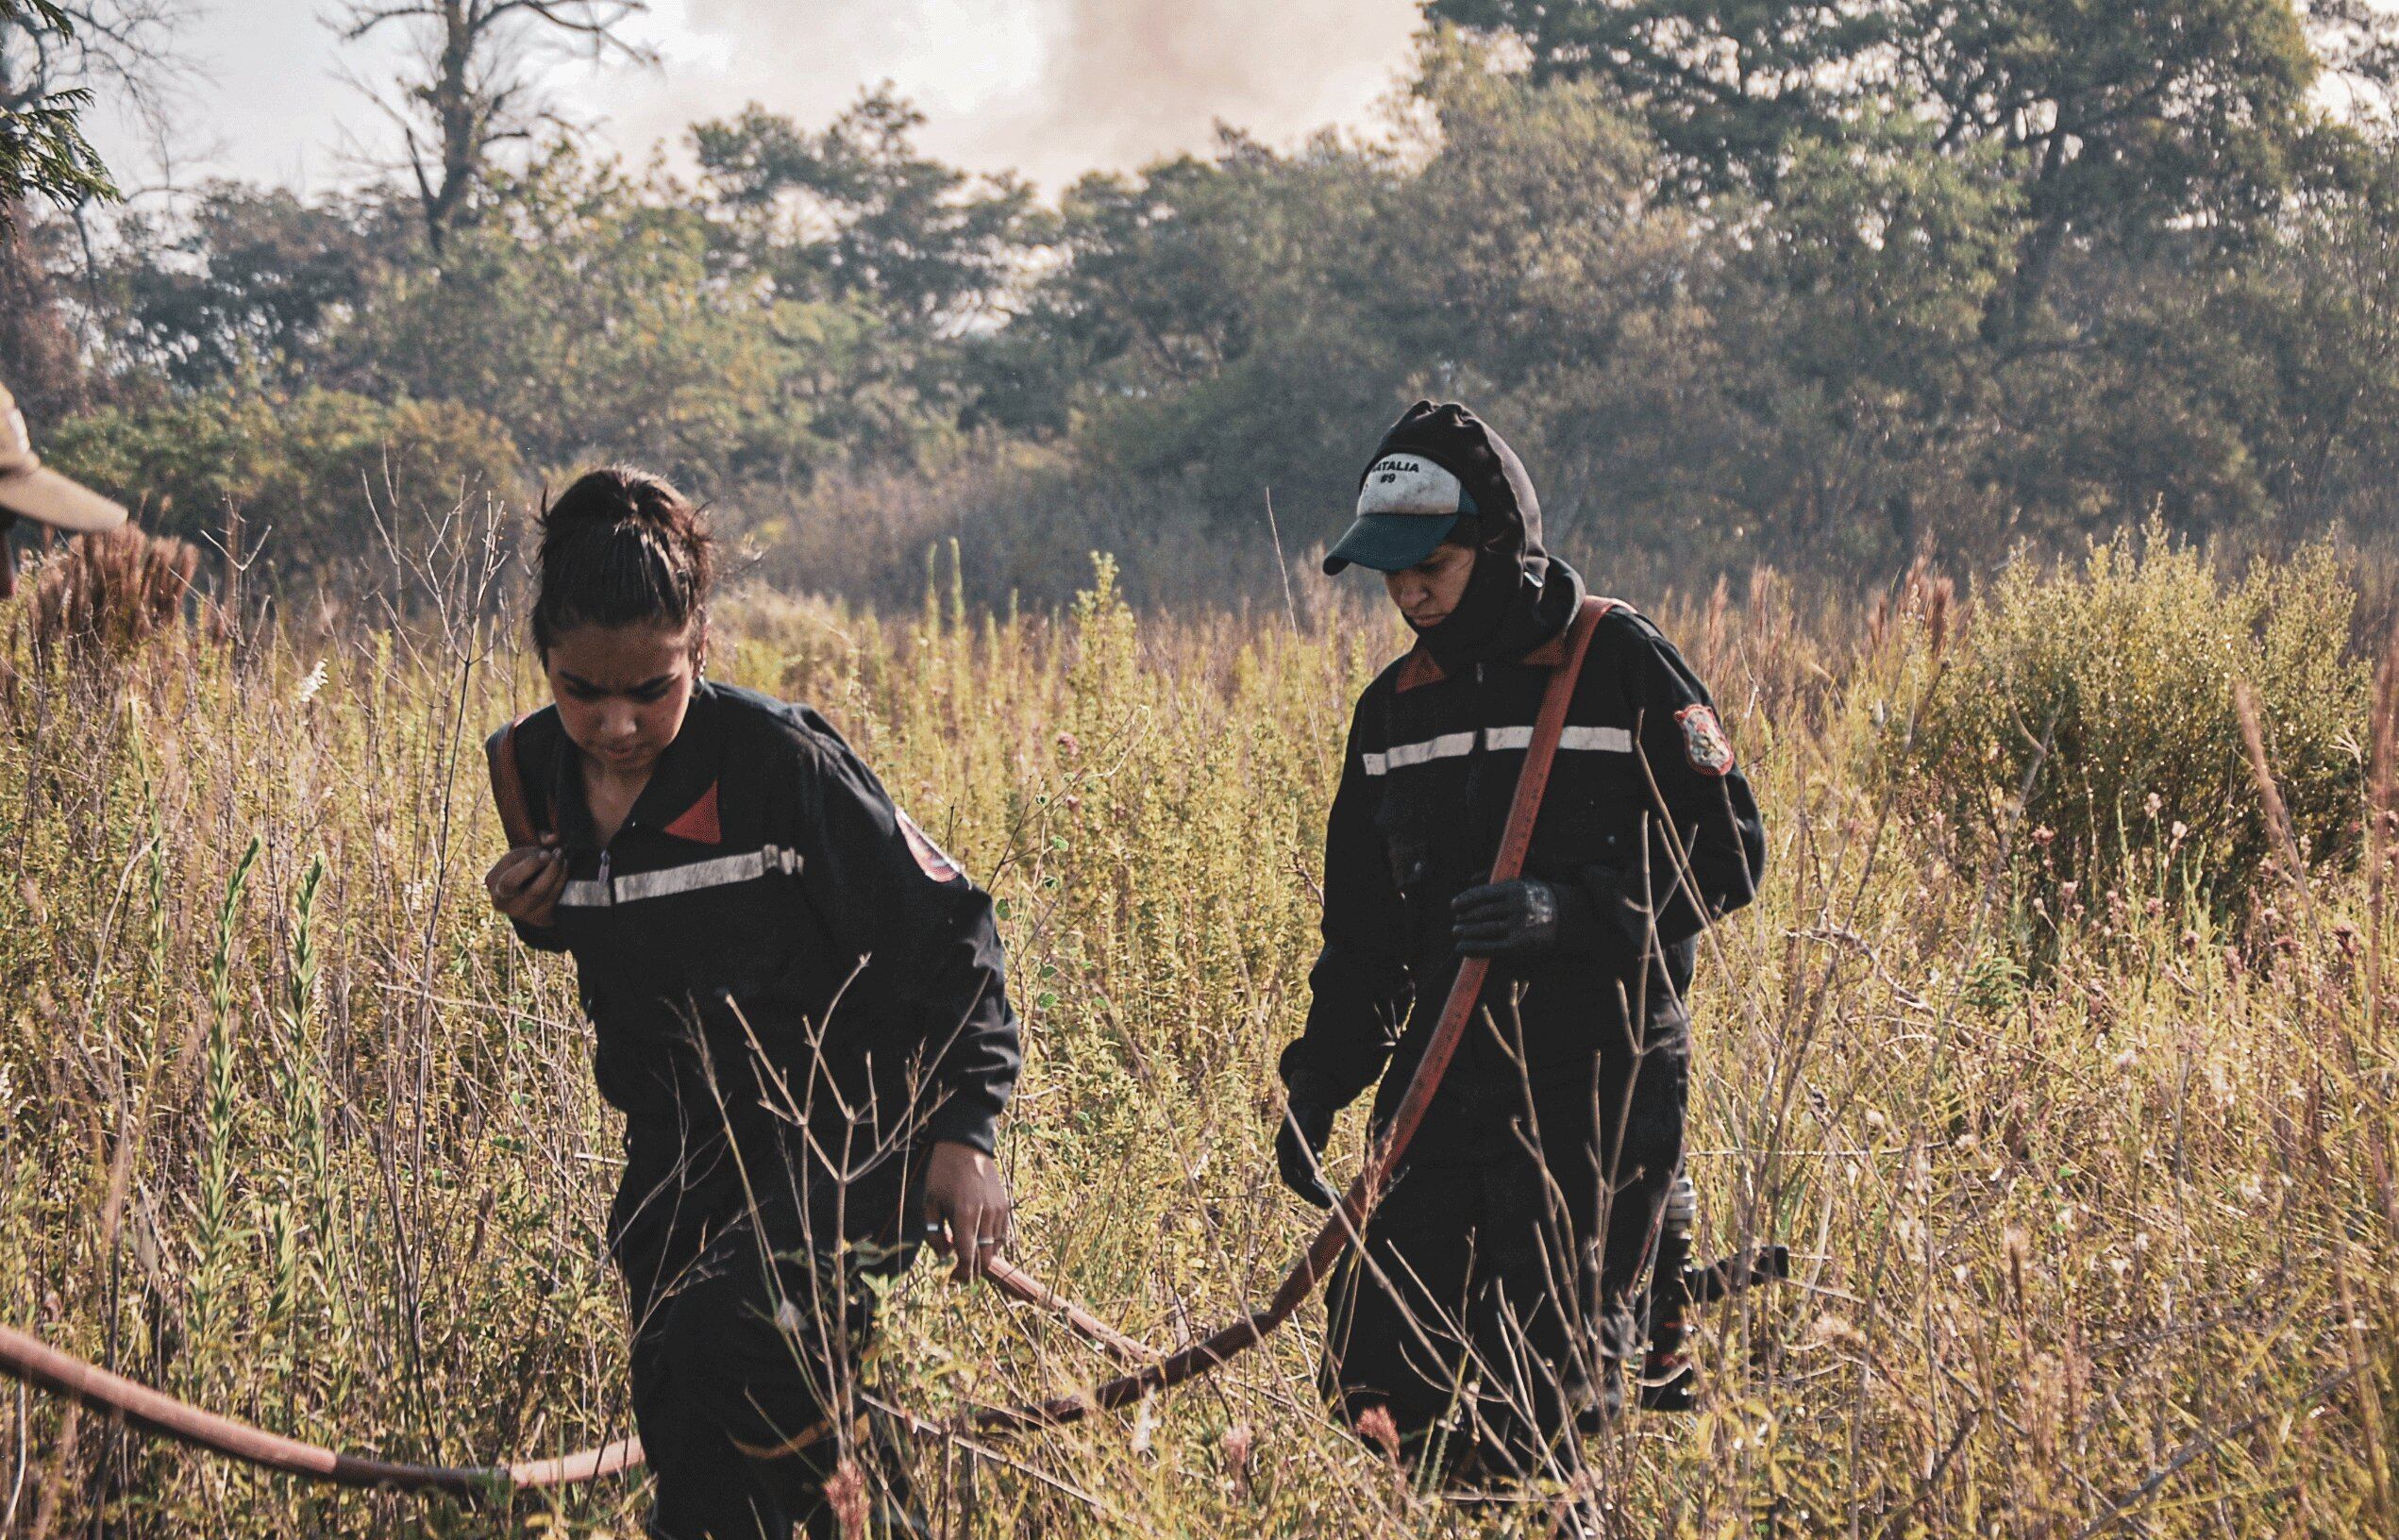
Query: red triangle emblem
<point x="700" y="823"/>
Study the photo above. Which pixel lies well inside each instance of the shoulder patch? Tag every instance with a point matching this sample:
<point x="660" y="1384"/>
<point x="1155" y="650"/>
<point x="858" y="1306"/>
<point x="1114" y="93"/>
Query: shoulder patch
<point x="1704" y="743"/>
<point x="931" y="859"/>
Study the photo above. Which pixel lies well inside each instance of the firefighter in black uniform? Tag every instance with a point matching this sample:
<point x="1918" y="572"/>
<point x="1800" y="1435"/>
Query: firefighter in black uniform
<point x="1498" y="1288"/>
<point x="799" y="1005"/>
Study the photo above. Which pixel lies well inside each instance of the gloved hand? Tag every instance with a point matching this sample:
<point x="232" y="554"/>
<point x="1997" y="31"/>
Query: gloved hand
<point x="1307" y="1125"/>
<point x="1519" y="920"/>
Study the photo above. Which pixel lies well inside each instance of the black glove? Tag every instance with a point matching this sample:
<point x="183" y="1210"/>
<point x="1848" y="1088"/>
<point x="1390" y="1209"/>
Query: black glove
<point x="1519" y="920"/>
<point x="1305" y="1127"/>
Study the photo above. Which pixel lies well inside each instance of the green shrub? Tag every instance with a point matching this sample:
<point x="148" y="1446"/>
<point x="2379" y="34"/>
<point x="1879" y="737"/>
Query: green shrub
<point x="301" y="468"/>
<point x="2125" y="670"/>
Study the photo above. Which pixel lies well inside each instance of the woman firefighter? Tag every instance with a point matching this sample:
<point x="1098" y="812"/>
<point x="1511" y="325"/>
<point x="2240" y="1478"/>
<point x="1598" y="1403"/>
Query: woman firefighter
<point x="799" y="1006"/>
<point x="1499" y="1287"/>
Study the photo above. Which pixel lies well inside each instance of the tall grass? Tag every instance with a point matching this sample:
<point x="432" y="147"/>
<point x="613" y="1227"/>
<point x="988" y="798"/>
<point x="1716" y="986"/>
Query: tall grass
<point x="290" y="1125"/>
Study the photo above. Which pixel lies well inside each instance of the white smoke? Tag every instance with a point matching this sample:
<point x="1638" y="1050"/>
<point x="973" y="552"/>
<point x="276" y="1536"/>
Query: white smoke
<point x="1050" y="88"/>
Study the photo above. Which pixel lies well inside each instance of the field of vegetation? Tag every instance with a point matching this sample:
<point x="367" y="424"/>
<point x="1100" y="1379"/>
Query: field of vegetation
<point x="2061" y="1056"/>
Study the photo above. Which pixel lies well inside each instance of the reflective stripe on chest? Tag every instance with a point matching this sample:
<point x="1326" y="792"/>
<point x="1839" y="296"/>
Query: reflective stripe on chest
<point x="1458" y="744"/>
<point x="721" y="872"/>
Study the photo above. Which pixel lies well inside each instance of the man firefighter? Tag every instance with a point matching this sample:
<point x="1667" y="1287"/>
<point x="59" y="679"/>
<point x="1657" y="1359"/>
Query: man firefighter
<point x="38" y="496"/>
<point x="1500" y="1285"/>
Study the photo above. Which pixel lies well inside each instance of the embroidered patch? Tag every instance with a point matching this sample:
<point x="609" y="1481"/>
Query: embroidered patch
<point x="1703" y="741"/>
<point x="930" y="859"/>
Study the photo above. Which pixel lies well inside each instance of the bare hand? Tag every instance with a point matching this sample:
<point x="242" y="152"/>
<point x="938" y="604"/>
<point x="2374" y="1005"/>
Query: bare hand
<point x="967" y="1207"/>
<point x="526" y="882"/>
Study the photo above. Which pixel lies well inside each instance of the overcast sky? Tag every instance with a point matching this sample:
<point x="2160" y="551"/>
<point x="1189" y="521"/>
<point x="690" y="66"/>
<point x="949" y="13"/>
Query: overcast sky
<point x="1047" y="87"/>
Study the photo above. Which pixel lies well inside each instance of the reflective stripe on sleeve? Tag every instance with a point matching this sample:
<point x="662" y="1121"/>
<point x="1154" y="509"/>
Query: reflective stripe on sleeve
<point x="669" y="880"/>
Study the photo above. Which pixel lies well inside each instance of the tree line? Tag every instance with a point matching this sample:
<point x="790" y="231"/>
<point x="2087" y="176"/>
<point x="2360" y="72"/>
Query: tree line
<point x="1821" y="285"/>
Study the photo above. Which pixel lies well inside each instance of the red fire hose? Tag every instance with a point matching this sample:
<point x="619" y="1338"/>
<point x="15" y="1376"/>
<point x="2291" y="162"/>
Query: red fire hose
<point x="28" y="1359"/>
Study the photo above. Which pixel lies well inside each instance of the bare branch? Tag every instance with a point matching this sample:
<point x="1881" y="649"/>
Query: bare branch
<point x="475" y="83"/>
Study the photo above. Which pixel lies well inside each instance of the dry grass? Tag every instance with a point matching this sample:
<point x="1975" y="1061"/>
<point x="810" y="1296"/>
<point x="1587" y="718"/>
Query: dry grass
<point x="111" y="590"/>
<point x="287" y="1124"/>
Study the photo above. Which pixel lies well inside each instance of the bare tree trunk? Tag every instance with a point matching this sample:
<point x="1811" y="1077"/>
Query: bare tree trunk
<point x="476" y="87"/>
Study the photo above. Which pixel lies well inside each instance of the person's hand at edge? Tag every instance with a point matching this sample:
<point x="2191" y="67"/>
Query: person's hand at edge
<point x="967" y="1208"/>
<point x="1299" y="1146"/>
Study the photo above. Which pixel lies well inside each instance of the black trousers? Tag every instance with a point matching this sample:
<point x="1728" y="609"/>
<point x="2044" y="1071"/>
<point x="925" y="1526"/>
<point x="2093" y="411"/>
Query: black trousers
<point x="1501" y="1284"/>
<point x="749" y="1318"/>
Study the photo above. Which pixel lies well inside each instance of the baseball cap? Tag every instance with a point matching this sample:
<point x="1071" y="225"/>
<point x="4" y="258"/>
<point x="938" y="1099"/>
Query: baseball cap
<point x="1407" y="506"/>
<point x="43" y="496"/>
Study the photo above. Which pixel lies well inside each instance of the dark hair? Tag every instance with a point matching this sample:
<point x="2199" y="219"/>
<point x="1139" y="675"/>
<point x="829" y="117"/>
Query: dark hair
<point x="621" y="547"/>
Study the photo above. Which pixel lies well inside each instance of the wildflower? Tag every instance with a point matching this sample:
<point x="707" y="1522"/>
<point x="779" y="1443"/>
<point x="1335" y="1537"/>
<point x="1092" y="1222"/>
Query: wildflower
<point x="1069" y="744"/>
<point x="845" y="1491"/>
<point x="310" y="685"/>
<point x="1376" y="1426"/>
<point x="1240" y="1442"/>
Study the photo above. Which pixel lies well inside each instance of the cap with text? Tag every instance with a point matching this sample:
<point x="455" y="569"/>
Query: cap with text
<point x="1407" y="506"/>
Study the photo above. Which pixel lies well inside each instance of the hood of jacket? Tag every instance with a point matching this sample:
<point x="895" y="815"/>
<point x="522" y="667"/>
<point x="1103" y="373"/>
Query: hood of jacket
<point x="1519" y="596"/>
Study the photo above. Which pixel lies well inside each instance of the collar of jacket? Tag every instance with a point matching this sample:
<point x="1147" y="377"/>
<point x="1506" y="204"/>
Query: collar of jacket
<point x="679" y="799"/>
<point x="1422" y="667"/>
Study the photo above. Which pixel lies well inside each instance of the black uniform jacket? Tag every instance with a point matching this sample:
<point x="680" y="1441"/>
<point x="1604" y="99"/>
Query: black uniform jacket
<point x="769" y="944"/>
<point x="1647" y="812"/>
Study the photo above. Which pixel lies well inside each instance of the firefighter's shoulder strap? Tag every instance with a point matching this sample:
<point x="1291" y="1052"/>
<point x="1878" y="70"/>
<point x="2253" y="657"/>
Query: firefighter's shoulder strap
<point x="508" y="786"/>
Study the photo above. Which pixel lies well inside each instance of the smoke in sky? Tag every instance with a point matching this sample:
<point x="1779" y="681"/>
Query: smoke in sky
<point x="1050" y="87"/>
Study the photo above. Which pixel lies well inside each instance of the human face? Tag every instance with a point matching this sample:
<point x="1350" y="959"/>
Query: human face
<point x="622" y="691"/>
<point x="1430" y="590"/>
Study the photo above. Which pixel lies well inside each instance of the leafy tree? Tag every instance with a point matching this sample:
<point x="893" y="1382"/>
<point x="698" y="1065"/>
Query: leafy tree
<point x="42" y="150"/>
<point x="2128" y="121"/>
<point x="53" y="54"/>
<point x="854" y="212"/>
<point x="1204" y="324"/>
<point x="38" y="356"/>
<point x="1723" y="85"/>
<point x="593" y="316"/>
<point x="851" y="217"/>
<point x="252" y="284"/>
<point x="301" y="468"/>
